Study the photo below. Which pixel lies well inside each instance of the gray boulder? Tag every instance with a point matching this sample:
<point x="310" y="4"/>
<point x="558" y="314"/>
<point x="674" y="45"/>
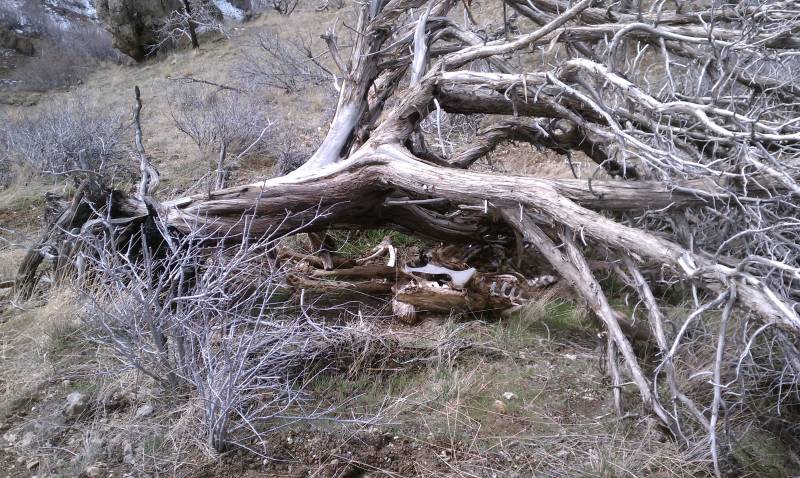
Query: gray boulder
<point x="132" y="23"/>
<point x="13" y="41"/>
<point x="246" y="6"/>
<point x="76" y="404"/>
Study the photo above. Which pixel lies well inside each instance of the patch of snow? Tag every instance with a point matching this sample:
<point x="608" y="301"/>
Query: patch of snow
<point x="84" y="8"/>
<point x="36" y="16"/>
<point x="229" y="11"/>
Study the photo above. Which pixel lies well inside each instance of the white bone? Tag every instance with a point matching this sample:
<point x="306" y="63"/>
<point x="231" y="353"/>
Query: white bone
<point x="458" y="278"/>
<point x="392" y="256"/>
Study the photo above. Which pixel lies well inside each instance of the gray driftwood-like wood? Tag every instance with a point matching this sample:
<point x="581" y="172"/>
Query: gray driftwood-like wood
<point x="699" y="128"/>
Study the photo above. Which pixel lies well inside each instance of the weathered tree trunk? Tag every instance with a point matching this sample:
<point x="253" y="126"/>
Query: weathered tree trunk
<point x="190" y="23"/>
<point x="352" y="195"/>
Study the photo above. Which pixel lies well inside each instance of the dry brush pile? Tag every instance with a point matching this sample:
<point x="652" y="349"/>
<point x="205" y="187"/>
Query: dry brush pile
<point x="690" y="115"/>
<point x="216" y="323"/>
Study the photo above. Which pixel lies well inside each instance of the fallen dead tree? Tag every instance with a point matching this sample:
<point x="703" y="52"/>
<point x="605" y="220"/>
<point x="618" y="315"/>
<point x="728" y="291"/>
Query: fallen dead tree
<point x="693" y="112"/>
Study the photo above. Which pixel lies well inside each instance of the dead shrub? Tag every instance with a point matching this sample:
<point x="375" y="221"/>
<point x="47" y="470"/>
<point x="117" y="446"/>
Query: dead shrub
<point x="289" y="152"/>
<point x="283" y="7"/>
<point x="214" y="322"/>
<point x="60" y="138"/>
<point x="226" y="125"/>
<point x="271" y="61"/>
<point x="28" y="17"/>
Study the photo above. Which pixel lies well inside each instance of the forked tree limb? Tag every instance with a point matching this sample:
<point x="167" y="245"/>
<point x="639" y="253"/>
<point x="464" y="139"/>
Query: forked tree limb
<point x="717" y="379"/>
<point x="561" y="137"/>
<point x="656" y="322"/>
<point x="572" y="266"/>
<point x="391" y="168"/>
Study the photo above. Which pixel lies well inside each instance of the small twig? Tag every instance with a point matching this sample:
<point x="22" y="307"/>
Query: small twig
<point x="717" y="379"/>
<point x="186" y="79"/>
<point x="408" y="202"/>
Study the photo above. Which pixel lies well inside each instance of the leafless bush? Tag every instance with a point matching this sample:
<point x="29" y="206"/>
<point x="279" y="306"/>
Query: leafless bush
<point x="74" y="136"/>
<point x="94" y="41"/>
<point x="180" y="25"/>
<point x="221" y="123"/>
<point x="6" y="163"/>
<point x="7" y="14"/>
<point x="214" y="321"/>
<point x="8" y="17"/>
<point x="289" y="152"/>
<point x="325" y="5"/>
<point x="288" y="65"/>
<point x="284" y="7"/>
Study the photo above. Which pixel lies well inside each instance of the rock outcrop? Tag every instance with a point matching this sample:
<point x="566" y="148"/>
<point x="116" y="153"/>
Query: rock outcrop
<point x="243" y="5"/>
<point x="68" y="9"/>
<point x="11" y="40"/>
<point x="132" y="23"/>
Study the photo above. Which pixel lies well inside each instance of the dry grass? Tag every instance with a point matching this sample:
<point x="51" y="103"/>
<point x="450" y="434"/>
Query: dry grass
<point x="442" y="412"/>
<point x="558" y="422"/>
<point x="10" y="259"/>
<point x="22" y="205"/>
<point x="33" y="341"/>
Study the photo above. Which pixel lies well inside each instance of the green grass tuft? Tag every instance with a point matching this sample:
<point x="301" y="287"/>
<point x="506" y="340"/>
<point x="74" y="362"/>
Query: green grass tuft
<point x="361" y="243"/>
<point x="65" y="339"/>
<point x="541" y="319"/>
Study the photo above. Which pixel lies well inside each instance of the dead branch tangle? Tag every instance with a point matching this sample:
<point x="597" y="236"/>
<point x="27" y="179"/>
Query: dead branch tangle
<point x="692" y="115"/>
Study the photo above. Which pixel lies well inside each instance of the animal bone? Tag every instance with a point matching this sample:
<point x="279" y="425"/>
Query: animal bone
<point x="458" y="279"/>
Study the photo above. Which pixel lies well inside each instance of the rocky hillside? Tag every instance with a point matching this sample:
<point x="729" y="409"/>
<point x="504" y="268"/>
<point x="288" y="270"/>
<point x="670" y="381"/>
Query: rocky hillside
<point x="132" y="23"/>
